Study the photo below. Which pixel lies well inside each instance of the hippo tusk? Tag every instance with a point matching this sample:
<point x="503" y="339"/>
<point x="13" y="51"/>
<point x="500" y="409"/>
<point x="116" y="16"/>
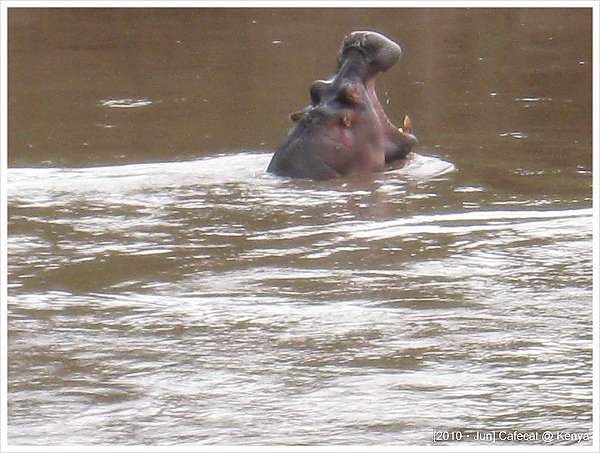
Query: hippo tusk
<point x="407" y="125"/>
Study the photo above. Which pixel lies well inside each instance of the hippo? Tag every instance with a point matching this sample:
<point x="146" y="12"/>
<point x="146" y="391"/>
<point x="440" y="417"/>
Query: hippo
<point x="344" y="131"/>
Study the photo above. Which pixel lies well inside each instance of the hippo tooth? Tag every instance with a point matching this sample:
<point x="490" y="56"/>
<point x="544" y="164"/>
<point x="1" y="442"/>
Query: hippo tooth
<point x="407" y="125"/>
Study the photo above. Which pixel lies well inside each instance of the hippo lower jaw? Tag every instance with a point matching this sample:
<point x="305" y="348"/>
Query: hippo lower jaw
<point x="345" y="130"/>
<point x="401" y="139"/>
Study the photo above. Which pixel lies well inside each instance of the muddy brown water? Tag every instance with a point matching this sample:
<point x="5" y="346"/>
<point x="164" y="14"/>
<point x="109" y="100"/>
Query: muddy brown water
<point x="164" y="290"/>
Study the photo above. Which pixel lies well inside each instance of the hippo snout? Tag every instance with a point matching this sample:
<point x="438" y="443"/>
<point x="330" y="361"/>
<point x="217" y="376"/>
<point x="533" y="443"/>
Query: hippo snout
<point x="381" y="52"/>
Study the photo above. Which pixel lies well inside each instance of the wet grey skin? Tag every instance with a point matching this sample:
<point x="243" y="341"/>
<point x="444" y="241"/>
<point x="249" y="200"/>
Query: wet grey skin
<point x="344" y="131"/>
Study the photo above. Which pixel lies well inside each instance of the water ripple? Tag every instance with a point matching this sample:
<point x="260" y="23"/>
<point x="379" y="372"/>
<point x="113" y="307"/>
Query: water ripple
<point x="208" y="293"/>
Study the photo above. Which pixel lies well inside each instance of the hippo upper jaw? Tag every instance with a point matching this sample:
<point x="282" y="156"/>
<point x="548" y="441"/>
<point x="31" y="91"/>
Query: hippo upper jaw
<point x="345" y="130"/>
<point x="380" y="53"/>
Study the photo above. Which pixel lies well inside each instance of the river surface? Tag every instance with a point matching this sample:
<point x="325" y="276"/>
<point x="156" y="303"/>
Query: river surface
<point x="164" y="290"/>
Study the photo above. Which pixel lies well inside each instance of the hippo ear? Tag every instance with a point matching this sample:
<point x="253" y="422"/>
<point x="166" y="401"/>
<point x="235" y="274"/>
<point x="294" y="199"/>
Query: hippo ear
<point x="351" y="94"/>
<point x="297" y="116"/>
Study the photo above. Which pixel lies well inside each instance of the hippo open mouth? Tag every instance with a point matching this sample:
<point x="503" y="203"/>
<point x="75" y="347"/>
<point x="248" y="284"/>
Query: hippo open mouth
<point x="344" y="130"/>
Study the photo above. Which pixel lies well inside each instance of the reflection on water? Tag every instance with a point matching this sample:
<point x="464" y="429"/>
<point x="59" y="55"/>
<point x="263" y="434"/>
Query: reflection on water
<point x="164" y="292"/>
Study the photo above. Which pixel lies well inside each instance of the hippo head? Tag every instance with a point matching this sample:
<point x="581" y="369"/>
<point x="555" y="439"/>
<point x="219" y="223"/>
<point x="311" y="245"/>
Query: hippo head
<point x="344" y="130"/>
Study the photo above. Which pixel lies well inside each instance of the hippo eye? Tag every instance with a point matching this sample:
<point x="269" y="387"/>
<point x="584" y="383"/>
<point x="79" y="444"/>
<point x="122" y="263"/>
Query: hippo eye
<point x="316" y="91"/>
